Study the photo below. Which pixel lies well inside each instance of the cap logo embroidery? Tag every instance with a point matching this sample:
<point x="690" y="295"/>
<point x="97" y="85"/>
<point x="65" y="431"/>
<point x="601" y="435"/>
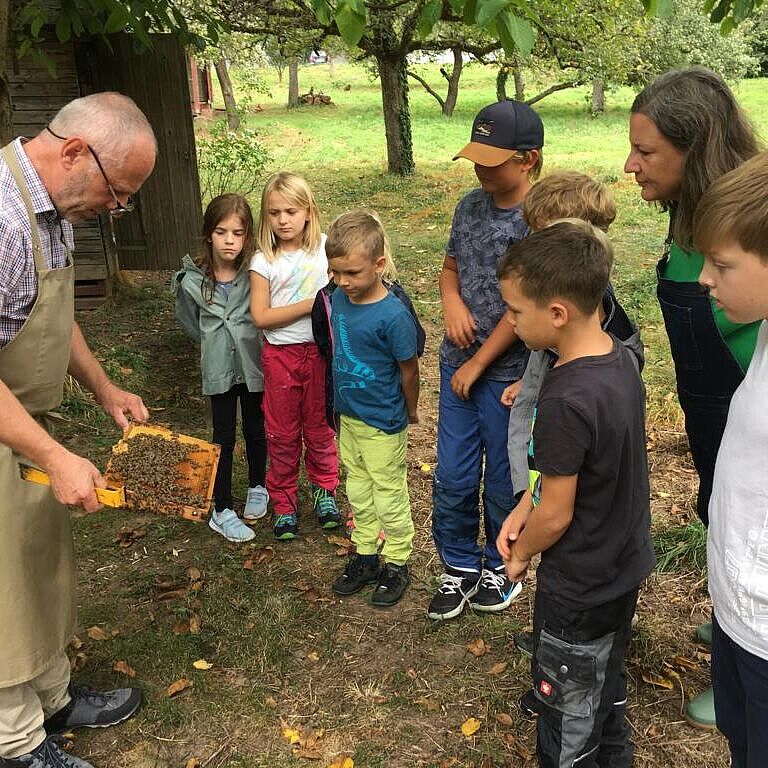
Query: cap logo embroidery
<point x="484" y="129"/>
<point x="545" y="688"/>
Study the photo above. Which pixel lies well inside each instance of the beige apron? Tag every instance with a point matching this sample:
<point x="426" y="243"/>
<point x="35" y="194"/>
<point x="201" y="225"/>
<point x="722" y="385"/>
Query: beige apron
<point x="37" y="602"/>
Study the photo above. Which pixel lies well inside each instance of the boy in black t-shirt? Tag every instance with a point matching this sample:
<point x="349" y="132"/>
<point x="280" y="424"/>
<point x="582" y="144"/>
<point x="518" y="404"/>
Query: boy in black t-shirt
<point x="587" y="508"/>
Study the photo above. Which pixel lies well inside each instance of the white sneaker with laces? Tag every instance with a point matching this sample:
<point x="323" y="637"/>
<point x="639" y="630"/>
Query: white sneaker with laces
<point x="230" y="526"/>
<point x="256" y="503"/>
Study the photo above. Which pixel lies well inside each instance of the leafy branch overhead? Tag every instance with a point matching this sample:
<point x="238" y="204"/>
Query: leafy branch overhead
<point x="727" y="13"/>
<point x="99" y="18"/>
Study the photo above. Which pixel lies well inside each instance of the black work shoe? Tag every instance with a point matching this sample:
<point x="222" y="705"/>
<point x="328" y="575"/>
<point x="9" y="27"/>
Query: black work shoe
<point x="495" y="592"/>
<point x="393" y="581"/>
<point x="524" y="643"/>
<point x="47" y="755"/>
<point x="94" y="709"/>
<point x="453" y="594"/>
<point x="359" y="571"/>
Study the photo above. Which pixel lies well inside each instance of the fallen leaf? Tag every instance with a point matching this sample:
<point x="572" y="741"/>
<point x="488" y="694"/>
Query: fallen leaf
<point x="429" y="704"/>
<point x="248" y="564"/>
<point x="97" y="633"/>
<point x="271" y="702"/>
<point x="192" y="763"/>
<point x="658" y="680"/>
<point x="173" y="594"/>
<point x="76" y="643"/>
<point x="470" y="726"/>
<point x="504" y="719"/>
<point x="78" y="661"/>
<point x="477" y="647"/>
<point x="686" y="663"/>
<point x="181" y="627"/>
<point x="194" y="574"/>
<point x="194" y="624"/>
<point x="124" y="668"/>
<point x="339" y="541"/>
<point x="265" y="554"/>
<point x="175" y="552"/>
<point x="313" y="656"/>
<point x="343" y="761"/>
<point x="498" y="668"/>
<point x="180" y="685"/>
<point x="425" y="469"/>
<point x="202" y="664"/>
<point x="291" y="735"/>
<point x="308" y="754"/>
<point x="412" y="673"/>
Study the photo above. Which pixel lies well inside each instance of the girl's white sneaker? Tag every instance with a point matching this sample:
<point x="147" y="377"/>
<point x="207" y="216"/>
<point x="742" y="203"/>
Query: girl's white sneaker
<point x="230" y="526"/>
<point x="256" y="503"/>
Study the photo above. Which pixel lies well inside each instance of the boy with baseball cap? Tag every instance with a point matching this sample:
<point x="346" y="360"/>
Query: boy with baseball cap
<point x="480" y="355"/>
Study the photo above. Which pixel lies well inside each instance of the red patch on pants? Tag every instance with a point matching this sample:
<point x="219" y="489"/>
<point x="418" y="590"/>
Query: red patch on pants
<point x="545" y="688"/>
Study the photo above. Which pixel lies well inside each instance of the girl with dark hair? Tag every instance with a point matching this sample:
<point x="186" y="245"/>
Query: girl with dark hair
<point x="685" y="131"/>
<point x="213" y="306"/>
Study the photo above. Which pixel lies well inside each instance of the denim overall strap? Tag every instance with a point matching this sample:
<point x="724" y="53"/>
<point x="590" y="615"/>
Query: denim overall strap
<point x="707" y="373"/>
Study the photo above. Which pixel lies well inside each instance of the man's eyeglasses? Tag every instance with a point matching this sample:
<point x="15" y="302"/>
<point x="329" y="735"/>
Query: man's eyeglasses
<point x="119" y="208"/>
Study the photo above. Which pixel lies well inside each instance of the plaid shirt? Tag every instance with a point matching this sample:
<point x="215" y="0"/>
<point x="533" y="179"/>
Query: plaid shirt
<point x="18" y="278"/>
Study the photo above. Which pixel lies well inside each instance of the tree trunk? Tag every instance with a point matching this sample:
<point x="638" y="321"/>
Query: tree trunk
<point x="222" y="71"/>
<point x="598" y="96"/>
<point x="331" y="66"/>
<point x="453" y="83"/>
<point x="501" y="82"/>
<point x="517" y="73"/>
<point x="6" y="114"/>
<point x="393" y="73"/>
<point x="293" y="83"/>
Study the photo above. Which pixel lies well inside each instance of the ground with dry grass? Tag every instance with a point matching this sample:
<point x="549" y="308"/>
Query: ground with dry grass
<point x="385" y="688"/>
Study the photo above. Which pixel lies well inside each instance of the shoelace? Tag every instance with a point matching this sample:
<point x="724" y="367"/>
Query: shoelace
<point x="97" y="698"/>
<point x="50" y="754"/>
<point x="450" y="584"/>
<point x="493" y="580"/>
<point x="285" y="520"/>
<point x="324" y="502"/>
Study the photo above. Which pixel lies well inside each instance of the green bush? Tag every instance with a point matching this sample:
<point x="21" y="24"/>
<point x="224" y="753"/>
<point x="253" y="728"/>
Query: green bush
<point x="230" y="161"/>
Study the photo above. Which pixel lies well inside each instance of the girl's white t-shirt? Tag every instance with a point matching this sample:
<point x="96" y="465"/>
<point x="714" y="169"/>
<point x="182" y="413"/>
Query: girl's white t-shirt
<point x="293" y="276"/>
<point x="737" y="541"/>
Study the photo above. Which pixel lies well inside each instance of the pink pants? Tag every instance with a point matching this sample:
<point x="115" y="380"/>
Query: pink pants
<point x="294" y="408"/>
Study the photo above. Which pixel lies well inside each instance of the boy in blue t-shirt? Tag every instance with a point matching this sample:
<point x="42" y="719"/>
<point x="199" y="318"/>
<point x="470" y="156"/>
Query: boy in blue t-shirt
<point x="376" y="392"/>
<point x="479" y="357"/>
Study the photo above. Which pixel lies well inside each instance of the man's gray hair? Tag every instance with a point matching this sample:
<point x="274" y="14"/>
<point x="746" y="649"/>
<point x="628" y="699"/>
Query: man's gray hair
<point x="109" y="121"/>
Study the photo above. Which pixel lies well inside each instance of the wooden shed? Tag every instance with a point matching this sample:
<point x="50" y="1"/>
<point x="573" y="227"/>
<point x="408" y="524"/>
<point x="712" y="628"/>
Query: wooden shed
<point x="165" y="224"/>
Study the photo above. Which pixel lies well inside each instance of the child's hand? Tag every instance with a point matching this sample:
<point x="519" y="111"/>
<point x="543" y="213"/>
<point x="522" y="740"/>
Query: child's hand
<point x="413" y="417"/>
<point x="464" y="378"/>
<point x="510" y="393"/>
<point x="511" y="530"/>
<point x="460" y="325"/>
<point x="516" y="569"/>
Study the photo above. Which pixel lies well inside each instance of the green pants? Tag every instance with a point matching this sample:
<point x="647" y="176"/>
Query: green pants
<point x="377" y="489"/>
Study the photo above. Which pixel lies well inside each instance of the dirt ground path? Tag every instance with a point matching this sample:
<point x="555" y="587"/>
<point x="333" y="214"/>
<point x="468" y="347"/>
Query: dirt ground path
<point x="388" y="689"/>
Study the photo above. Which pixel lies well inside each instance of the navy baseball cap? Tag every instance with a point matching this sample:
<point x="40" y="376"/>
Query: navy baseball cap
<point x="500" y="130"/>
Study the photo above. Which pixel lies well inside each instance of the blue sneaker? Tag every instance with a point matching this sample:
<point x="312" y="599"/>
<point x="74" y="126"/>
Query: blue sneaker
<point x="495" y="592"/>
<point x="324" y="504"/>
<point x="286" y="527"/>
<point x="256" y="503"/>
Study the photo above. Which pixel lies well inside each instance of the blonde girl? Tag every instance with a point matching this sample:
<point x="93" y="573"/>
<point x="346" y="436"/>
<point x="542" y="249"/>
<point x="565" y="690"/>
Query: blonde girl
<point x="287" y="271"/>
<point x="212" y="305"/>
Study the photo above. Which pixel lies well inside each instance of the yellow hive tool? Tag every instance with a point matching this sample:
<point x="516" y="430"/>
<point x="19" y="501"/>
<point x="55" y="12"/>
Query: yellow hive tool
<point x="111" y="496"/>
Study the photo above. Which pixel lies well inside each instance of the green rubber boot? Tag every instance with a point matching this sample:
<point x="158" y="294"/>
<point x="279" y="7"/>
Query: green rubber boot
<point x="704" y="633"/>
<point x="700" y="712"/>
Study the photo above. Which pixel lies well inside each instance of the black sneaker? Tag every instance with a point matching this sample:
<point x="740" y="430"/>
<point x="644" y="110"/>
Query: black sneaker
<point x="324" y="504"/>
<point x="524" y="643"/>
<point x="93" y="709"/>
<point x="47" y="755"/>
<point x="495" y="592"/>
<point x="359" y="571"/>
<point x="391" y="586"/>
<point x="452" y="596"/>
<point x="286" y="527"/>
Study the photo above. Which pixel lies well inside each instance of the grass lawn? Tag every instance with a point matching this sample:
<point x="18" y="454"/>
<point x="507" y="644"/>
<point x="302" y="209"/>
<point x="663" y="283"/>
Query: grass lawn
<point x="387" y="689"/>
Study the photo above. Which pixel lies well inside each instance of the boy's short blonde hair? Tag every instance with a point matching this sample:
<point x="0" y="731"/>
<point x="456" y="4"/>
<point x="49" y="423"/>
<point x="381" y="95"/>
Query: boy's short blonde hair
<point x="569" y="195"/>
<point x="735" y="210"/>
<point x="362" y="231"/>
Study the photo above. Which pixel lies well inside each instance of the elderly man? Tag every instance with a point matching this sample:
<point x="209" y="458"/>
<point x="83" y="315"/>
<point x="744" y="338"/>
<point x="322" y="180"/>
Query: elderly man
<point x="95" y="153"/>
